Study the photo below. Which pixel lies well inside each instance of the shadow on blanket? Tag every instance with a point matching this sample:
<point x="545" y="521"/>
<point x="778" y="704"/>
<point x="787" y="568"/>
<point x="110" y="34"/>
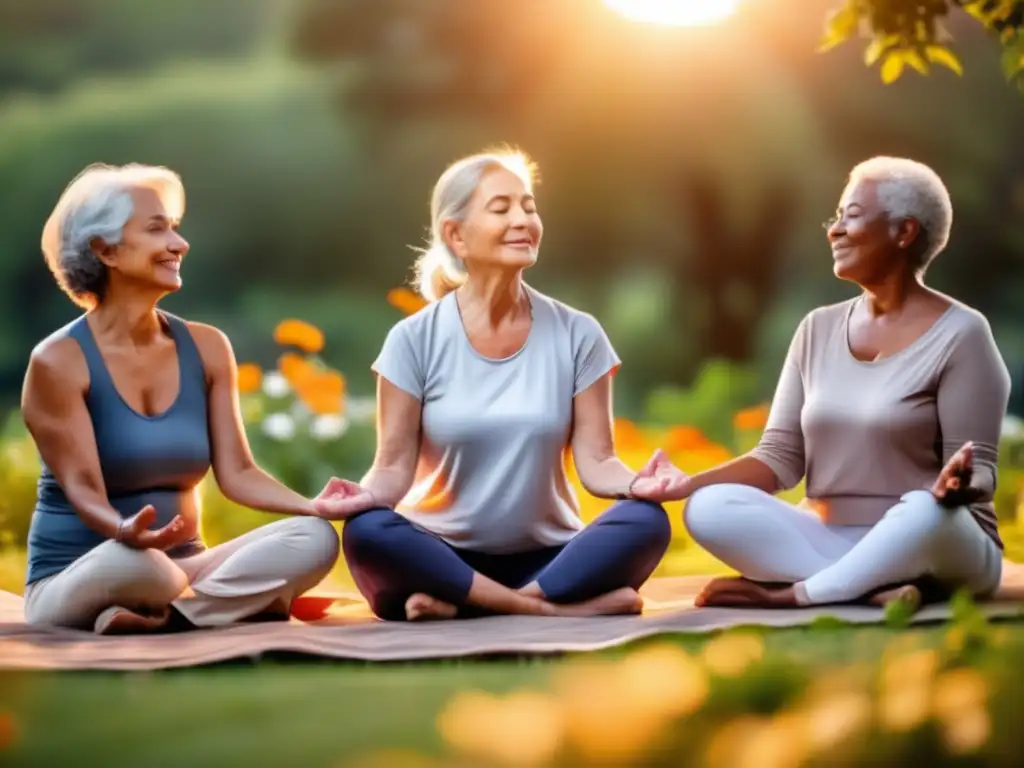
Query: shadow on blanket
<point x="341" y="627"/>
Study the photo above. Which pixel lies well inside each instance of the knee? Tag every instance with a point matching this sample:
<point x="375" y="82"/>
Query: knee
<point x="650" y="518"/>
<point x="921" y="510"/>
<point x="706" y="515"/>
<point x="317" y="539"/>
<point x="367" y="534"/>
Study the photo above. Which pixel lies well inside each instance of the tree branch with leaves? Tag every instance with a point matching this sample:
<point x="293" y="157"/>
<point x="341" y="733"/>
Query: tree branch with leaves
<point x="914" y="34"/>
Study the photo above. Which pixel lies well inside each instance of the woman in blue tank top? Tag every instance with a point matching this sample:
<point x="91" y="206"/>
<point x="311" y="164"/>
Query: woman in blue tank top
<point x="130" y="407"/>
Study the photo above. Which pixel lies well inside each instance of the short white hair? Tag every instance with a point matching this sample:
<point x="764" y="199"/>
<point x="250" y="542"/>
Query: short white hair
<point x="438" y="271"/>
<point x="909" y="189"/>
<point x="96" y="205"/>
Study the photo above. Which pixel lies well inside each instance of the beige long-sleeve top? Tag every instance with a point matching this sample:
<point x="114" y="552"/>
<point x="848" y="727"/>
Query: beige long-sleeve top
<point x="865" y="433"/>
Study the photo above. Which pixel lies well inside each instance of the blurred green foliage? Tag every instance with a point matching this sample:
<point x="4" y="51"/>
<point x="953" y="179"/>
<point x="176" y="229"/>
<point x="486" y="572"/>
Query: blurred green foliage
<point x="915" y="34"/>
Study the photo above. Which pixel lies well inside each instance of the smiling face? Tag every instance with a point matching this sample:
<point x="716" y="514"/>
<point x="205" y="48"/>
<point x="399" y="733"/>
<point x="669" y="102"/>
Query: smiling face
<point x="151" y="250"/>
<point x="501" y="227"/>
<point x="865" y="244"/>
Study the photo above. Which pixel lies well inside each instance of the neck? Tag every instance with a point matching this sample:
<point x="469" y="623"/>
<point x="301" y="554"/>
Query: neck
<point x="128" y="316"/>
<point x="891" y="293"/>
<point x="498" y="296"/>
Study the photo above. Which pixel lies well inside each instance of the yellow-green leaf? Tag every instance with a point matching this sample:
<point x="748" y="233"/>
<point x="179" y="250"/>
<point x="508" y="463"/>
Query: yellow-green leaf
<point x="939" y="54"/>
<point x="839" y="27"/>
<point x="877" y="47"/>
<point x="976" y="9"/>
<point x="1013" y="62"/>
<point x="914" y="59"/>
<point x="892" y="67"/>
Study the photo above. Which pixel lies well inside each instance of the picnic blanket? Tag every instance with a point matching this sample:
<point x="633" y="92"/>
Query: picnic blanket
<point x="349" y="631"/>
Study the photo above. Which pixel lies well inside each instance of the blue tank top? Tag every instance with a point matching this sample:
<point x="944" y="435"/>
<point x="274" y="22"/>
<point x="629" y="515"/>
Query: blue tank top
<point x="156" y="460"/>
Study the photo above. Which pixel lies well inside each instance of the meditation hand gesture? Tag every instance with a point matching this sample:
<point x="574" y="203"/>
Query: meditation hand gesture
<point x="953" y="487"/>
<point x="134" y="531"/>
<point x="340" y="499"/>
<point x="659" y="480"/>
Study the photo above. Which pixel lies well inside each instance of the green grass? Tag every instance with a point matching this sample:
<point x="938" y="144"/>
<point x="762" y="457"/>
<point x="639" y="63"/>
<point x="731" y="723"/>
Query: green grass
<point x="318" y="713"/>
<point x="313" y="713"/>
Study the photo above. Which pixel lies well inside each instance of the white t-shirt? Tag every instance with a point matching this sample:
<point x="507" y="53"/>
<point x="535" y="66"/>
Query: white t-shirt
<point x="491" y="474"/>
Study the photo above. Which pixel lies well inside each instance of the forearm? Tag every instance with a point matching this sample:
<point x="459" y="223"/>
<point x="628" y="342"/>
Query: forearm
<point x="608" y="478"/>
<point x="252" y="487"/>
<point x="388" y="484"/>
<point x="744" y="470"/>
<point x="95" y="510"/>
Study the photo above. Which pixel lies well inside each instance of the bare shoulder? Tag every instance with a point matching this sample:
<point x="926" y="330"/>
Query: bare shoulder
<point x="213" y="344"/>
<point x="59" y="359"/>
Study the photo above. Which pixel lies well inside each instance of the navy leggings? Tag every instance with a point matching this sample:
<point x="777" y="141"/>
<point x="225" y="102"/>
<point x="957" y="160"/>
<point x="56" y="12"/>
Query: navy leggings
<point x="392" y="559"/>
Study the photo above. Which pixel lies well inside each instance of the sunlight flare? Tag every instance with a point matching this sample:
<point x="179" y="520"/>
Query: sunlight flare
<point x="677" y="13"/>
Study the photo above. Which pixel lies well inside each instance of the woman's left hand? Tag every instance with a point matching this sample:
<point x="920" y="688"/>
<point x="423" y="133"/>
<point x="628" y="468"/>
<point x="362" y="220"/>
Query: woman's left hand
<point x="659" y="481"/>
<point x="340" y="499"/>
<point x="953" y="487"/>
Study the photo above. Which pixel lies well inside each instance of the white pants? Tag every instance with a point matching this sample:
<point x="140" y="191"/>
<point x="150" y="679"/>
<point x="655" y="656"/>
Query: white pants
<point x="260" y="572"/>
<point x="766" y="539"/>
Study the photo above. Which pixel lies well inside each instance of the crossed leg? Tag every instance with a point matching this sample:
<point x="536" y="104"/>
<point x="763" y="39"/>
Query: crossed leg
<point x="789" y="557"/>
<point x="114" y="588"/>
<point x="407" y="573"/>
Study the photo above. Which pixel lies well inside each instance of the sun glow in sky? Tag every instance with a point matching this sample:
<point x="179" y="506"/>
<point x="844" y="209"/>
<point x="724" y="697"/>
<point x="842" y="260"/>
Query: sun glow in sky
<point x="678" y="13"/>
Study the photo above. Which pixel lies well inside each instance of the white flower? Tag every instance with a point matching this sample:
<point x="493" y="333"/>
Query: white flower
<point x="1012" y="426"/>
<point x="361" y="409"/>
<point x="328" y="427"/>
<point x="279" y="426"/>
<point x="275" y="385"/>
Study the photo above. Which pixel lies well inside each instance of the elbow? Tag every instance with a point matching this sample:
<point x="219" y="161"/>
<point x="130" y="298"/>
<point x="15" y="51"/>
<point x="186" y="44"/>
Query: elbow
<point x="783" y="470"/>
<point x="232" y="482"/>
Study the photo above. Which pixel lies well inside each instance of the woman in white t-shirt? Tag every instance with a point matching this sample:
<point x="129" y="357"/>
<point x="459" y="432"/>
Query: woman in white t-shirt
<point x="480" y="394"/>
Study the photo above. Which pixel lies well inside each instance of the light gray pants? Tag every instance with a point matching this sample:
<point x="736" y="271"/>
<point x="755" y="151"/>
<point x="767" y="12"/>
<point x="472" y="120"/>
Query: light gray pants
<point x="767" y="539"/>
<point x="257" y="573"/>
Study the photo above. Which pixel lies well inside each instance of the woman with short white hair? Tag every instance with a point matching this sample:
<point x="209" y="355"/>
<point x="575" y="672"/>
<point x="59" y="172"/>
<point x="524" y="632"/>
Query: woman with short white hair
<point x="129" y="407"/>
<point x="467" y="508"/>
<point x="890" y="405"/>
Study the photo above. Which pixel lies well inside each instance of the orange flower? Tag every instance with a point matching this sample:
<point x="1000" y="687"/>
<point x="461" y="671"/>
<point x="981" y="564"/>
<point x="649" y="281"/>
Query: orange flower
<point x="628" y="436"/>
<point x="406" y="301"/>
<point x="685" y="439"/>
<point x="249" y="378"/>
<point x="322" y="393"/>
<point x="297" y="333"/>
<point x="295" y="368"/>
<point x="751" y="419"/>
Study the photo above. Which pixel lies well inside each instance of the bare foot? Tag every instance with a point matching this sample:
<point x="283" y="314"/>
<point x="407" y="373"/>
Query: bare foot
<point x="731" y="592"/>
<point x="909" y="595"/>
<point x="121" y="621"/>
<point x="421" y="607"/>
<point x="616" y="603"/>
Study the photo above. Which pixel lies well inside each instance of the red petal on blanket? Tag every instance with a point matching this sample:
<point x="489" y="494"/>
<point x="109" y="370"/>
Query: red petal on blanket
<point x="311" y="607"/>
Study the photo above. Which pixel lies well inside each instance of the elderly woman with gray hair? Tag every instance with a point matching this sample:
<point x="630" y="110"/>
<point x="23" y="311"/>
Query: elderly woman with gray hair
<point x="890" y="405"/>
<point x="129" y="407"/>
<point x="482" y="394"/>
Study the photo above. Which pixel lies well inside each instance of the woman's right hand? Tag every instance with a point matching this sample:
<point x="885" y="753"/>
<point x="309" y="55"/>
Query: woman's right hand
<point x="340" y="499"/>
<point x="134" y="531"/>
<point x="660" y="480"/>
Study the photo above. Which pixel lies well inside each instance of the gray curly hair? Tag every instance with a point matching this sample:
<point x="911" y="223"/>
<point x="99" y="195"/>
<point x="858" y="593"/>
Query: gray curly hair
<point x="95" y="206"/>
<point x="908" y="189"/>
